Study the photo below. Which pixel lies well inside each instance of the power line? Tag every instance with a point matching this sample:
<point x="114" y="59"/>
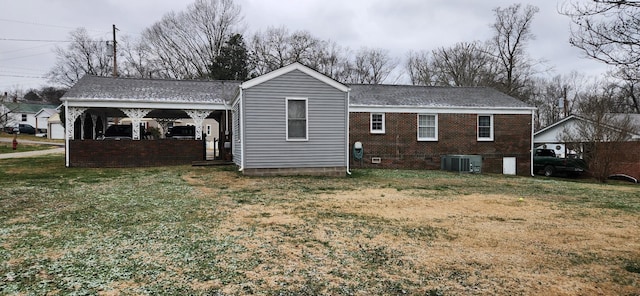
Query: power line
<point x="21" y="76"/>
<point x="37" y="40"/>
<point x="45" y="25"/>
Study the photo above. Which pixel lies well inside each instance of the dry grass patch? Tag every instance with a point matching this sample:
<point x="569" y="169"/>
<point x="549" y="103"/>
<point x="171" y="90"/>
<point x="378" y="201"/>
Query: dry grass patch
<point x="211" y="231"/>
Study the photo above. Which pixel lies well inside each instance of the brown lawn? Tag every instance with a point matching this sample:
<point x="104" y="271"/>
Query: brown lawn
<point x="431" y="243"/>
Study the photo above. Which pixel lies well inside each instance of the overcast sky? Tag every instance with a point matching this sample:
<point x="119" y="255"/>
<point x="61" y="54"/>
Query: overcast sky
<point x="395" y="25"/>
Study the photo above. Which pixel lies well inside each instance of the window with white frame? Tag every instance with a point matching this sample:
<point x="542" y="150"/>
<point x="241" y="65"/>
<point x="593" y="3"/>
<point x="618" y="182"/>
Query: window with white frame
<point x="485" y="127"/>
<point x="208" y="130"/>
<point x="376" y="123"/>
<point x="24" y="117"/>
<point x="297" y="119"/>
<point x="427" y="127"/>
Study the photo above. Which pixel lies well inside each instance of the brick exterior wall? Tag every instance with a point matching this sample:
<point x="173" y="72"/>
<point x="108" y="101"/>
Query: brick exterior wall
<point x="144" y="153"/>
<point x="398" y="147"/>
<point x="627" y="161"/>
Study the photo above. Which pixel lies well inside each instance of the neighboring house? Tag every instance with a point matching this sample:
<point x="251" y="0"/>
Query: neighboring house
<point x="295" y="120"/>
<point x="292" y="120"/>
<point x="418" y="126"/>
<point x="555" y="137"/>
<point x="558" y="132"/>
<point x="24" y="113"/>
<point x="42" y="119"/>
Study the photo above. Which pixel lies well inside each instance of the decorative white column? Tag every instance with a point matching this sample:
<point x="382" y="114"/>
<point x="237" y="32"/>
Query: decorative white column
<point x="70" y="118"/>
<point x="136" y="115"/>
<point x="94" y="121"/>
<point x="198" y="117"/>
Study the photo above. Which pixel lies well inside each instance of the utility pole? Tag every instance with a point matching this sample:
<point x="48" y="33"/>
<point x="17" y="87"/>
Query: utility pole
<point x="115" y="61"/>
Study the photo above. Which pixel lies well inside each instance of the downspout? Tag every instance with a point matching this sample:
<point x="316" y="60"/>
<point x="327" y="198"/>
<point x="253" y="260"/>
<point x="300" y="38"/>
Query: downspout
<point x="347" y="134"/>
<point x="66" y="134"/>
<point x="533" y="111"/>
<point x="240" y="129"/>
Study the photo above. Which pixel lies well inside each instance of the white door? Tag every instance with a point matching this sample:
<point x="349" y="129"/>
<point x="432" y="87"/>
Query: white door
<point x="509" y="165"/>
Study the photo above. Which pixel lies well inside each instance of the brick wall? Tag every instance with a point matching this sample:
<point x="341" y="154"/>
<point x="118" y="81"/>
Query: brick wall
<point x="398" y="147"/>
<point x="626" y="158"/>
<point x="144" y="153"/>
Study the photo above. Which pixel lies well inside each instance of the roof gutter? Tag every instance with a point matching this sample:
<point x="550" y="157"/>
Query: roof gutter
<point x="347" y="155"/>
<point x="532" y="139"/>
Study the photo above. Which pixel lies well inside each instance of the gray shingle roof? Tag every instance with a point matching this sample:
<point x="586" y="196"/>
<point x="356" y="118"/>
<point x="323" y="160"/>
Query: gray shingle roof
<point x="431" y="96"/>
<point x="152" y="90"/>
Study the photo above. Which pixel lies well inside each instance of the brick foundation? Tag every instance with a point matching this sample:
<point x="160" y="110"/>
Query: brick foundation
<point x="327" y="171"/>
<point x="144" y="153"/>
<point x="398" y="147"/>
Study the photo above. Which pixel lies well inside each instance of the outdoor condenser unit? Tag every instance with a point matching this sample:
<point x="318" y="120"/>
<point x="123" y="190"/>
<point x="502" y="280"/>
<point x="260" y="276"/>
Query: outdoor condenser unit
<point x="461" y="163"/>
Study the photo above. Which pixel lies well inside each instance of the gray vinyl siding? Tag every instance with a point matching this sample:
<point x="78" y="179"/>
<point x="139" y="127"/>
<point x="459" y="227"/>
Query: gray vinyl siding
<point x="265" y="124"/>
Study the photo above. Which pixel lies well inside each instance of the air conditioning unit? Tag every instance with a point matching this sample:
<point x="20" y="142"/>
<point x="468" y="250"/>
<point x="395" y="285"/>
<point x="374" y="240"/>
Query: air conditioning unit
<point x="461" y="163"/>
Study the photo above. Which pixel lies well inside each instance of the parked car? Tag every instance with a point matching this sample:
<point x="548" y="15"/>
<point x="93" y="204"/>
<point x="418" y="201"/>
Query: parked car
<point x="182" y="132"/>
<point x="24" y="128"/>
<point x="545" y="160"/>
<point x="117" y="132"/>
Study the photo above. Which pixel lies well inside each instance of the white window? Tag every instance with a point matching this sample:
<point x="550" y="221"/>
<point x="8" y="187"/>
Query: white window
<point x="24" y="117"/>
<point x="208" y="130"/>
<point x="376" y="123"/>
<point x="427" y="127"/>
<point x="297" y="127"/>
<point x="485" y="127"/>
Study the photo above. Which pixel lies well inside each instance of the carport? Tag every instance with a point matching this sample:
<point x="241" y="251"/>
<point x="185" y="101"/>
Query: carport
<point x="95" y="101"/>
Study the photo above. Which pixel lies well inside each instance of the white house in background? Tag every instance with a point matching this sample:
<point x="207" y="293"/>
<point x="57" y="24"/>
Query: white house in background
<point x="55" y="128"/>
<point x="25" y="113"/>
<point x="554" y="133"/>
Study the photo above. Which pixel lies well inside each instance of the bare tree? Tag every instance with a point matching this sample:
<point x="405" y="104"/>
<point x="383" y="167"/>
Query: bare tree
<point x="183" y="44"/>
<point x="136" y="58"/>
<point x="464" y="64"/>
<point x="277" y="47"/>
<point x="609" y="31"/>
<point x="606" y="30"/>
<point x="83" y="55"/>
<point x="512" y="32"/>
<point x="601" y="131"/>
<point x="419" y="68"/>
<point x="371" y="66"/>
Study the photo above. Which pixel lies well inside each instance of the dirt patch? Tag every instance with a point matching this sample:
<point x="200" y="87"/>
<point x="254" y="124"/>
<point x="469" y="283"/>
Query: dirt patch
<point x="476" y="243"/>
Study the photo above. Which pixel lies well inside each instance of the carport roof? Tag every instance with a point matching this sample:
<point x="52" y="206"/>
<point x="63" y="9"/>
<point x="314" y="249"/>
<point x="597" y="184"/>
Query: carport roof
<point x="96" y="88"/>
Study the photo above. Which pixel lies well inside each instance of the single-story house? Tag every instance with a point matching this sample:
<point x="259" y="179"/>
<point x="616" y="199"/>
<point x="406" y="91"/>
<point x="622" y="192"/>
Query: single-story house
<point x="20" y="112"/>
<point x="404" y="126"/>
<point x="295" y="120"/>
<point x="565" y="137"/>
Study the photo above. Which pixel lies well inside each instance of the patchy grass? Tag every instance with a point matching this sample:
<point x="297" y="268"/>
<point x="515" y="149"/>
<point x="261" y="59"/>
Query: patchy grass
<point x="6" y="147"/>
<point x="211" y="231"/>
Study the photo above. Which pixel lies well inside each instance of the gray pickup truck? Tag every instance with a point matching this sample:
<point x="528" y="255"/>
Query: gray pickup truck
<point x="545" y="160"/>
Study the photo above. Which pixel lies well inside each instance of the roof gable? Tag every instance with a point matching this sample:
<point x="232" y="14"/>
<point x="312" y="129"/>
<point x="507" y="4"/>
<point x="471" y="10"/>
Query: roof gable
<point x="295" y="66"/>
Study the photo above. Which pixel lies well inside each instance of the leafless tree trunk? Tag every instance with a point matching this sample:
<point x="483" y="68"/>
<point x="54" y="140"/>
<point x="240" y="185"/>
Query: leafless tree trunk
<point x="512" y="32"/>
